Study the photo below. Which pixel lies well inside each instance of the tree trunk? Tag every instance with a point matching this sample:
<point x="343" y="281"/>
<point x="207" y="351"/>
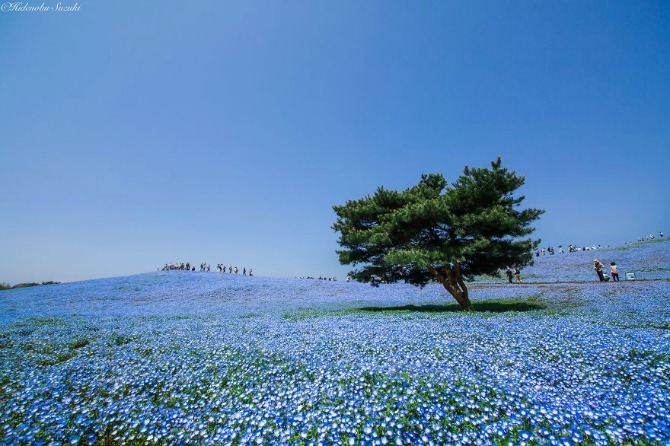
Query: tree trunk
<point x="452" y="281"/>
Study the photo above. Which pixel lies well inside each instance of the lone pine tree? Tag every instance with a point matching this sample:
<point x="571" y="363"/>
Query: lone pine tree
<point x="434" y="231"/>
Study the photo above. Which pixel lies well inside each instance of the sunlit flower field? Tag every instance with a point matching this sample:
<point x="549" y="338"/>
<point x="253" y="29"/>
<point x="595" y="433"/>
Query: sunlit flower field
<point x="209" y="358"/>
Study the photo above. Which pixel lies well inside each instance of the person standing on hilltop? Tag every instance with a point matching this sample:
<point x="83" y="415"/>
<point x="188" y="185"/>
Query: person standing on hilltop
<point x="598" y="266"/>
<point x="614" y="272"/>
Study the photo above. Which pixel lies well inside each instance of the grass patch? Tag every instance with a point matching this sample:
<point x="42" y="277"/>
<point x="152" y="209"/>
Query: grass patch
<point x="62" y="357"/>
<point x="493" y="306"/>
<point x="300" y="315"/>
<point x="119" y="339"/>
<point x="179" y="317"/>
<point x="145" y="352"/>
<point x="78" y="343"/>
<point x="41" y="321"/>
<point x="486" y="306"/>
<point x="307" y="313"/>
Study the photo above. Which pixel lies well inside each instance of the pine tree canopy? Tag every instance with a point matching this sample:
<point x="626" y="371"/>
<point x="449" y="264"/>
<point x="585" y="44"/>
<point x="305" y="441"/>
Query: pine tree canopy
<point x="436" y="231"/>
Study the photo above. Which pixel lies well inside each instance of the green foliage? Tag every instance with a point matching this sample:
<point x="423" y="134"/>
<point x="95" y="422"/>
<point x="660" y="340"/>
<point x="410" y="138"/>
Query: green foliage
<point x="6" y="286"/>
<point x="475" y="223"/>
<point x="25" y="285"/>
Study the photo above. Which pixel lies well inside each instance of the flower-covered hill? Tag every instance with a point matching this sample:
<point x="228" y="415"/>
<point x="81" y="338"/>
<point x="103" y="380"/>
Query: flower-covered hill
<point x="209" y="358"/>
<point x="649" y="260"/>
<point x="169" y="293"/>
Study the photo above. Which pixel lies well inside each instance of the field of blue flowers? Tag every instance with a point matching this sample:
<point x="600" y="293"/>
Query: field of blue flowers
<point x="208" y="358"/>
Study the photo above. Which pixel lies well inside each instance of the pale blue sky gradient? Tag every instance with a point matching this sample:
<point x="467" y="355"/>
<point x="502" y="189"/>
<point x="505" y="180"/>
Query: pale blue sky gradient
<point x="138" y="133"/>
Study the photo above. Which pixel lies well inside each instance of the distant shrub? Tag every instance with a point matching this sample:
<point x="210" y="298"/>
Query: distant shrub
<point x="25" y="285"/>
<point x="6" y="286"/>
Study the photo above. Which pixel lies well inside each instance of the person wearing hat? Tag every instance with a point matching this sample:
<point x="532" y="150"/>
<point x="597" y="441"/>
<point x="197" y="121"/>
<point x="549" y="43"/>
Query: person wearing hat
<point x="598" y="266"/>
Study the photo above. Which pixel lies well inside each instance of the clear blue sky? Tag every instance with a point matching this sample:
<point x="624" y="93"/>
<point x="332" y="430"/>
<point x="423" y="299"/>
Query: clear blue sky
<point x="138" y="133"/>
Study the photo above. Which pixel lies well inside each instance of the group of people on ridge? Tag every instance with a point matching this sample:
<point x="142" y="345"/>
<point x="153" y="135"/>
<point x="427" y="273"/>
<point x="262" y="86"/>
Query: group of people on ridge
<point x="205" y="267"/>
<point x="233" y="269"/>
<point x="650" y="237"/>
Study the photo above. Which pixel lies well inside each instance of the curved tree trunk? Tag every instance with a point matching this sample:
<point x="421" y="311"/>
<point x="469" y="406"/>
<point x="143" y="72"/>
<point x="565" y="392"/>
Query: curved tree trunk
<point x="452" y="281"/>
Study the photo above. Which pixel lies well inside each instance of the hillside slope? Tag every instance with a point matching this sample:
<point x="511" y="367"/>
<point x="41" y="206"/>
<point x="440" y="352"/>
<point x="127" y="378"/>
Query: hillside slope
<point x="179" y="292"/>
<point x="169" y="293"/>
<point x="649" y="260"/>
